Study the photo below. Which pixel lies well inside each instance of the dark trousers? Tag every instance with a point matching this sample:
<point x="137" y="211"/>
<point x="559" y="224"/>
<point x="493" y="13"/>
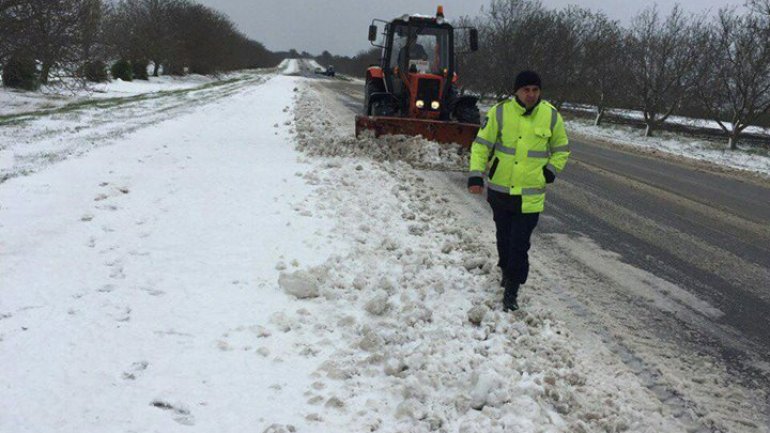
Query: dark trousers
<point x="514" y="230"/>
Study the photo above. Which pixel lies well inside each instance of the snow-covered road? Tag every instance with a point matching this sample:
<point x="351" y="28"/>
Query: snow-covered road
<point x="249" y="266"/>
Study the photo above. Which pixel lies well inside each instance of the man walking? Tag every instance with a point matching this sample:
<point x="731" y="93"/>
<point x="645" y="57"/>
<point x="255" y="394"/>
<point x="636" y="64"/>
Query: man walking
<point x="521" y="146"/>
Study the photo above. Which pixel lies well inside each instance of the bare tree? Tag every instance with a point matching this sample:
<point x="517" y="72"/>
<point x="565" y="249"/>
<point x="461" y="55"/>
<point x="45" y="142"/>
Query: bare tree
<point x="127" y="30"/>
<point x="566" y="65"/>
<point x="156" y="29"/>
<point x="55" y="36"/>
<point x="55" y="33"/>
<point x="661" y="56"/>
<point x="510" y="34"/>
<point x="603" y="68"/>
<point x="16" y="17"/>
<point x="737" y="89"/>
<point x="475" y="69"/>
<point x="90" y="30"/>
<point x="761" y="7"/>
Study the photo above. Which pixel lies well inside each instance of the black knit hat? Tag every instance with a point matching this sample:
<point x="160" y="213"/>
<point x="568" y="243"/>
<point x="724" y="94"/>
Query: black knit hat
<point x="526" y="78"/>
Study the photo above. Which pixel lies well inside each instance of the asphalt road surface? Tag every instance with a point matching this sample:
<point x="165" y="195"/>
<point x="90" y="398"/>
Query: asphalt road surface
<point x="700" y="228"/>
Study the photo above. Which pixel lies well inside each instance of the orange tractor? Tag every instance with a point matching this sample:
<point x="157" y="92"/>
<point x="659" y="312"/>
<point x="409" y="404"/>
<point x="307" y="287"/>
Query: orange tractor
<point x="414" y="90"/>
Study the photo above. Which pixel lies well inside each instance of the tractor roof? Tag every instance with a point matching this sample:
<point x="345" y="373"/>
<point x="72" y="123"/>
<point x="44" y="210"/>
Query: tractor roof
<point x="438" y="18"/>
<point x="422" y="20"/>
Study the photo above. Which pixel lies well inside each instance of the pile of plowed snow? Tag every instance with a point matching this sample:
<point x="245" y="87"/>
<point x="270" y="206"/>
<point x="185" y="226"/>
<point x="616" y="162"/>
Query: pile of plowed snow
<point x="407" y="324"/>
<point x="319" y="135"/>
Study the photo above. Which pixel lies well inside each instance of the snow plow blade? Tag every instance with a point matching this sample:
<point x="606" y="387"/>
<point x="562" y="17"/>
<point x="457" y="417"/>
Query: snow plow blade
<point x="434" y="130"/>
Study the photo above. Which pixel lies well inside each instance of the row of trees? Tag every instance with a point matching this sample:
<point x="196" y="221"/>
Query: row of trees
<point x="659" y="65"/>
<point x="70" y="38"/>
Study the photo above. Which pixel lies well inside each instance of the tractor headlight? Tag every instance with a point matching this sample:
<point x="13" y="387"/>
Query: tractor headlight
<point x="420" y="103"/>
<point x="435" y="105"/>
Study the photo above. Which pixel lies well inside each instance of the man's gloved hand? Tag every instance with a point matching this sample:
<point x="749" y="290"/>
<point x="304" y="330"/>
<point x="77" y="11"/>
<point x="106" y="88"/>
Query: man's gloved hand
<point x="475" y="185"/>
<point x="549" y="175"/>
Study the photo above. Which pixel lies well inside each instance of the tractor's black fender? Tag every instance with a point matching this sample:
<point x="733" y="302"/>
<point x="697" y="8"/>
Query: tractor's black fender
<point x="464" y="109"/>
<point x="462" y="100"/>
<point x="381" y="104"/>
<point x="459" y="106"/>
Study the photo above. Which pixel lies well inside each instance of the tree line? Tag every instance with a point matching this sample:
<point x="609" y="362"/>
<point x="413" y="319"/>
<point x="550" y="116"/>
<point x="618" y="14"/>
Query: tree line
<point x="47" y="41"/>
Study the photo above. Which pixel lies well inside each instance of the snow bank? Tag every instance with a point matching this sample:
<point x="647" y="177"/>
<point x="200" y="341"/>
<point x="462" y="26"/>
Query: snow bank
<point x="317" y="136"/>
<point x="314" y="64"/>
<point x="409" y="324"/>
<point x="677" y="120"/>
<point x="289" y="67"/>
<point x="17" y="101"/>
<point x="717" y="153"/>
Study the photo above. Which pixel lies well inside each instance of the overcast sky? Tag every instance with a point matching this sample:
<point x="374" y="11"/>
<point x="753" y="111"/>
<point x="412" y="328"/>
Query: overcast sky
<point x="340" y="26"/>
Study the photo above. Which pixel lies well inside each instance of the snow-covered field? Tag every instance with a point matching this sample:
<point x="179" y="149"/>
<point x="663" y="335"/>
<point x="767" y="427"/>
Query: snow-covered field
<point x="31" y="140"/>
<point x="247" y="265"/>
<point x="677" y="120"/>
<point x="745" y="158"/>
<point x="13" y="101"/>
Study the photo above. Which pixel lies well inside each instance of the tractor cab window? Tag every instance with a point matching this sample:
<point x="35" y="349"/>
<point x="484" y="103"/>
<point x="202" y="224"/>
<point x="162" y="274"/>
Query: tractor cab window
<point x="420" y="49"/>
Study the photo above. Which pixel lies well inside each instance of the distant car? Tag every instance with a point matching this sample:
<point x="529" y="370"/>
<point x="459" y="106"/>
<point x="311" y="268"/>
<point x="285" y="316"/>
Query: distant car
<point x="330" y="71"/>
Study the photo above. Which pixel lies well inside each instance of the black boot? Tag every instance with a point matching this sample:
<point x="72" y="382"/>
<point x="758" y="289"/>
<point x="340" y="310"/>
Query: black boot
<point x="509" y="297"/>
<point x="503" y="281"/>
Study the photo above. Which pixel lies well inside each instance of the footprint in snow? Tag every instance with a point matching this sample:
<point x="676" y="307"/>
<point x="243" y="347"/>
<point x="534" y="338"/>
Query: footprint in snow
<point x="107" y="288"/>
<point x="278" y="428"/>
<point x="122" y="314"/>
<point x="182" y="415"/>
<point x="110" y="207"/>
<point x="135" y="370"/>
<point x="153" y="292"/>
<point x="117" y="273"/>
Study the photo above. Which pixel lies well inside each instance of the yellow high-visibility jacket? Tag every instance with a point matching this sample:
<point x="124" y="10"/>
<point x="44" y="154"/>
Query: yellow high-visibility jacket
<point x="512" y="148"/>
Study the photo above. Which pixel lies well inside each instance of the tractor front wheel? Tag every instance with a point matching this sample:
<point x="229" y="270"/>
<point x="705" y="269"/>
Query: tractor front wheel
<point x="382" y="108"/>
<point x="468" y="113"/>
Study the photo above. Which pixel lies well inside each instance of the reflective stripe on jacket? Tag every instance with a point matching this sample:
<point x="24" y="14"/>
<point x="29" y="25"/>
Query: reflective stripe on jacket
<point x="512" y="148"/>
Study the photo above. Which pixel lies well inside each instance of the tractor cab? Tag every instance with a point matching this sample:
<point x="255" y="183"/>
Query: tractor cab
<point x="420" y="47"/>
<point x="418" y="65"/>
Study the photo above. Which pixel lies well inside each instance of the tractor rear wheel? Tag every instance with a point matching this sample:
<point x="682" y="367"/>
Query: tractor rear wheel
<point x="372" y="86"/>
